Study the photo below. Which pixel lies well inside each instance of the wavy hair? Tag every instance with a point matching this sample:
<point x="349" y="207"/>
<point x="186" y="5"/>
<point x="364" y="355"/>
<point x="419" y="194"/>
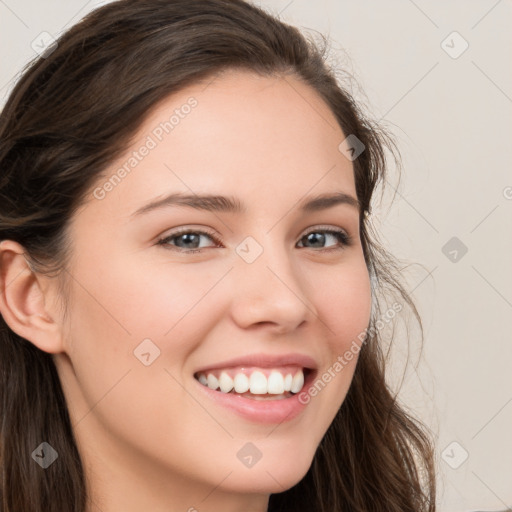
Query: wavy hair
<point x="72" y="113"/>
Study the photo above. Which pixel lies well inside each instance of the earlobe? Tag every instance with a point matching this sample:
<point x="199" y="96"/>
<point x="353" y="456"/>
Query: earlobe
<point x="22" y="300"/>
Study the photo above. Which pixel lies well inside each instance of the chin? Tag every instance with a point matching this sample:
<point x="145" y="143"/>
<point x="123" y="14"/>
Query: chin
<point x="271" y="478"/>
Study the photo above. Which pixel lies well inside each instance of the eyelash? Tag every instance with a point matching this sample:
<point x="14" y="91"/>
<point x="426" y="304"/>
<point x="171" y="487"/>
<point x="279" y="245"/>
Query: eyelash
<point x="345" y="240"/>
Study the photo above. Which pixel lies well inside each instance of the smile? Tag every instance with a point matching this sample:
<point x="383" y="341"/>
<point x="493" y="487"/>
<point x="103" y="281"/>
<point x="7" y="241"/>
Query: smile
<point x="256" y="383"/>
<point x="260" y="388"/>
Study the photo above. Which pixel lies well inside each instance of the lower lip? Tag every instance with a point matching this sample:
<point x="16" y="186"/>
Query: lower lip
<point x="260" y="411"/>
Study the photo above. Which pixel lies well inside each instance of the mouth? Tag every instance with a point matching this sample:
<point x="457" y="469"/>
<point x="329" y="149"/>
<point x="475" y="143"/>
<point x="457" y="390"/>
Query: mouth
<point x="257" y="383"/>
<point x="260" y="388"/>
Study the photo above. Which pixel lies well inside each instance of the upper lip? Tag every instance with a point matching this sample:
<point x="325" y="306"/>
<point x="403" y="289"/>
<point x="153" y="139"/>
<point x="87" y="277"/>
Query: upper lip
<point x="264" y="361"/>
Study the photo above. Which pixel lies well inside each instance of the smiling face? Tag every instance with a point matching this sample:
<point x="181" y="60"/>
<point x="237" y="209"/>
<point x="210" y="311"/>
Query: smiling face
<point x="261" y="282"/>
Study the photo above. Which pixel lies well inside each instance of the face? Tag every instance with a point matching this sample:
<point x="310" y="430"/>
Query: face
<point x="193" y="289"/>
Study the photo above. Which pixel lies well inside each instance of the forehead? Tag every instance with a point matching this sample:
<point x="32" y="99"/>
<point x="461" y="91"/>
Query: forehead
<point x="234" y="134"/>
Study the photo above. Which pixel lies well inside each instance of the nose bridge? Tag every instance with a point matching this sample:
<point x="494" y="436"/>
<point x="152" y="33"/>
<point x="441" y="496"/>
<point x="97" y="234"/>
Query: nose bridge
<point x="269" y="288"/>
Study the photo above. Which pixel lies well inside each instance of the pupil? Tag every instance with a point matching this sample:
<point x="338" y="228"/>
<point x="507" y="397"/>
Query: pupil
<point x="188" y="237"/>
<point x="317" y="237"/>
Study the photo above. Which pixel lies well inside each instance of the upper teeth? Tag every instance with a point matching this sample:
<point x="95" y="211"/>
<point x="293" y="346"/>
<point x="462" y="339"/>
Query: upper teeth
<point x="257" y="383"/>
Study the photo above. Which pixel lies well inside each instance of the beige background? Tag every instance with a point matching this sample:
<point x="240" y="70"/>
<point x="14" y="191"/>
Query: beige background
<point x="452" y="117"/>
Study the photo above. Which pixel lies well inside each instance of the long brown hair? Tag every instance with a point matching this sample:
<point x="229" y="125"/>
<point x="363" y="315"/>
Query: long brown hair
<point x="68" y="118"/>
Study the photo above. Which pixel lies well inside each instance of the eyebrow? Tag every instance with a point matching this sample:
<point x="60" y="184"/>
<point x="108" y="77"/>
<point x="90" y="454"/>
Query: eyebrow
<point x="229" y="204"/>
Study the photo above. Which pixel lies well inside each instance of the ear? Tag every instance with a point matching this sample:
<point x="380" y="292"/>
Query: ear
<point x="22" y="300"/>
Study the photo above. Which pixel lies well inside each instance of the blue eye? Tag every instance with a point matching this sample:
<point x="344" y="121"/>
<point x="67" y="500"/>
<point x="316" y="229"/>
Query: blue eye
<point x="189" y="241"/>
<point x="320" y="236"/>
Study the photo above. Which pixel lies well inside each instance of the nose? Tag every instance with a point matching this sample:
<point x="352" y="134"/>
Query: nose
<point x="271" y="291"/>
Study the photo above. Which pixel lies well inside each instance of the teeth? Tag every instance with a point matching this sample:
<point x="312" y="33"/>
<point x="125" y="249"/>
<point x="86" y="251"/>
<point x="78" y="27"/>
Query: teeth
<point x="212" y="381"/>
<point x="225" y="382"/>
<point x="288" y="382"/>
<point x="241" y="383"/>
<point x="275" y="385"/>
<point x="297" y="382"/>
<point x="257" y="383"/>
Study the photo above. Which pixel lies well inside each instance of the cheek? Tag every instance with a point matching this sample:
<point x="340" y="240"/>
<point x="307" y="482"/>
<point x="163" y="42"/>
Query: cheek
<point x="134" y="302"/>
<point x="174" y="307"/>
<point x="344" y="304"/>
<point x="110" y="318"/>
<point x="343" y="301"/>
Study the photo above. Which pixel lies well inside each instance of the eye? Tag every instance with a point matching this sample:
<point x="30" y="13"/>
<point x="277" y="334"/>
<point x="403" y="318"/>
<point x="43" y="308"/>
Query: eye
<point x="188" y="240"/>
<point x="320" y="237"/>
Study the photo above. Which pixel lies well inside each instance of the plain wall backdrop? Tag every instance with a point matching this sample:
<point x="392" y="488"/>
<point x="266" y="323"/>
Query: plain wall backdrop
<point x="437" y="75"/>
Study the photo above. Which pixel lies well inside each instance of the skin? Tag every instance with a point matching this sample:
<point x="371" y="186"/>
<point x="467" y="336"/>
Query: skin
<point x="148" y="438"/>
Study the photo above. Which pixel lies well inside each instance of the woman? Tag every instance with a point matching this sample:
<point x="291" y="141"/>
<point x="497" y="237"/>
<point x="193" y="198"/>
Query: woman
<point x="192" y="297"/>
